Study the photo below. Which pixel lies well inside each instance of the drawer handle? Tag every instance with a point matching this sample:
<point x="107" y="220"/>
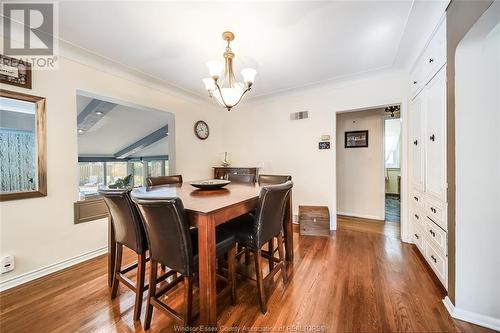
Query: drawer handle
<point x="433" y="258"/>
<point x="416" y="198"/>
<point x="432" y="233"/>
<point x="415" y="142"/>
<point x="431" y="60"/>
<point x="432" y="137"/>
<point x="417" y="236"/>
<point x="417" y="217"/>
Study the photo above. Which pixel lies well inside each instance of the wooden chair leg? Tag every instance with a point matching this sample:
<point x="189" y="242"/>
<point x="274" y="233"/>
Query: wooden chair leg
<point x="141" y="271"/>
<point x="281" y="253"/>
<point x="151" y="294"/>
<point x="260" y="281"/>
<point x="232" y="273"/>
<point x="188" y="299"/>
<point x="270" y="246"/>
<point x="116" y="269"/>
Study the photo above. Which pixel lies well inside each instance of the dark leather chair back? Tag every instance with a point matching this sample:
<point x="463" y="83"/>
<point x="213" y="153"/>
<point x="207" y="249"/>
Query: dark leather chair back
<point x="164" y="180"/>
<point x="242" y="178"/>
<point x="270" y="212"/>
<point x="274" y="179"/>
<point x="167" y="232"/>
<point x="126" y="220"/>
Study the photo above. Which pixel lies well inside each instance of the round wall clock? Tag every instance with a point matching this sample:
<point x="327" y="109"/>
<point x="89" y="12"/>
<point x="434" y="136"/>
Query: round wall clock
<point x="201" y="130"/>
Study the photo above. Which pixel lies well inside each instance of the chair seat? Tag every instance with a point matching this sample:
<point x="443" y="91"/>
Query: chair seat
<point x="242" y="228"/>
<point x="224" y="241"/>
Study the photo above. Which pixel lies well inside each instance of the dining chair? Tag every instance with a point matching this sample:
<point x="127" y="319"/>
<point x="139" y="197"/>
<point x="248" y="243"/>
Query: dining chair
<point x="172" y="243"/>
<point x="129" y="232"/>
<point x="164" y="180"/>
<point x="236" y="178"/>
<point x="254" y="231"/>
<point x="276" y="179"/>
<point x="273" y="179"/>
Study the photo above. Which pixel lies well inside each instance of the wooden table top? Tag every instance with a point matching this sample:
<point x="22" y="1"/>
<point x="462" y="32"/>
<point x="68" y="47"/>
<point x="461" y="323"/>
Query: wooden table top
<point x="201" y="201"/>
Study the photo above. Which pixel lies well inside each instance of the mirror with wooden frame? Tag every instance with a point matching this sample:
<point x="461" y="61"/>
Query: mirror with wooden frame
<point x="23" y="160"/>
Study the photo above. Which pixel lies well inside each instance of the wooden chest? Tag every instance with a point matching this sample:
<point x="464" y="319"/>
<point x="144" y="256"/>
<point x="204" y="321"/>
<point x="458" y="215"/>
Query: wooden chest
<point x="314" y="220"/>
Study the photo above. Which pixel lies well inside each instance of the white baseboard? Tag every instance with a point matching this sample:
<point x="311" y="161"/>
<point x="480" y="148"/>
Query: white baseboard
<point x="370" y="217"/>
<point x="471" y="317"/>
<point x="40" y="272"/>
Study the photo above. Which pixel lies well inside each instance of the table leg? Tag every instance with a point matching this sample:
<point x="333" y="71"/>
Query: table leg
<point x="207" y="266"/>
<point x="111" y="251"/>
<point x="289" y="230"/>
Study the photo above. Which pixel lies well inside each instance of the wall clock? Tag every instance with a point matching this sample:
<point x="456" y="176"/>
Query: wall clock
<point x="201" y="130"/>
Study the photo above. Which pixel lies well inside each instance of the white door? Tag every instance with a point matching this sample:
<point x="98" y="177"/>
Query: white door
<point x="417" y="143"/>
<point x="435" y="136"/>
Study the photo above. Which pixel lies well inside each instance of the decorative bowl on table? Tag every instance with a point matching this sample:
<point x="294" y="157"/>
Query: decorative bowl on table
<point x="210" y="184"/>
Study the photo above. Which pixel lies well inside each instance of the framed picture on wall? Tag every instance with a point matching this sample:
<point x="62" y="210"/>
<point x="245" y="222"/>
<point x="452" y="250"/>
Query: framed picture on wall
<point x="15" y="72"/>
<point x="356" y="139"/>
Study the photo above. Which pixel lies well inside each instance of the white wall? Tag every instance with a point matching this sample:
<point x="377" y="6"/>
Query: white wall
<point x="477" y="171"/>
<point x="40" y="232"/>
<point x="261" y="133"/>
<point x="360" y="171"/>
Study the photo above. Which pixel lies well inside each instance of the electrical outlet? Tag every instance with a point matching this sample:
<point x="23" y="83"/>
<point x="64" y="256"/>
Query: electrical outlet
<point x="7" y="264"/>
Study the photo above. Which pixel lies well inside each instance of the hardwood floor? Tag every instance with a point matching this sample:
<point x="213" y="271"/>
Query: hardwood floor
<point x="356" y="280"/>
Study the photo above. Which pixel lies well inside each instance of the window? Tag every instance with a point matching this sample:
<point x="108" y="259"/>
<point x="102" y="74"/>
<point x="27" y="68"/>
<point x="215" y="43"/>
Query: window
<point x="91" y="177"/>
<point x="392" y="143"/>
<point x="115" y="170"/>
<point x="138" y="171"/>
<point x="155" y="168"/>
<point x="102" y="172"/>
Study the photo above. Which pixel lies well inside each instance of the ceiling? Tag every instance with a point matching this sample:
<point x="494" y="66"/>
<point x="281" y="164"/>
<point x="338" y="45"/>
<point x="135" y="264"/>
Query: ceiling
<point x="106" y="137"/>
<point x="290" y="43"/>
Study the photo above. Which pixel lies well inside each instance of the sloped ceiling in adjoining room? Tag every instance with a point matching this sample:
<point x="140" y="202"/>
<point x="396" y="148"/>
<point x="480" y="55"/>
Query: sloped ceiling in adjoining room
<point x="291" y="43"/>
<point x="119" y="128"/>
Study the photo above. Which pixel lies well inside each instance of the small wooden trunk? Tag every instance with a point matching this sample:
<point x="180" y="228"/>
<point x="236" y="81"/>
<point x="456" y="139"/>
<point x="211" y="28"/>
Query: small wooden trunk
<point x="314" y="220"/>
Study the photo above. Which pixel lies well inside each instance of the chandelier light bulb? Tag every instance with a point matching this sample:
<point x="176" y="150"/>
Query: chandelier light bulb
<point x="215" y="68"/>
<point x="248" y="75"/>
<point x="209" y="84"/>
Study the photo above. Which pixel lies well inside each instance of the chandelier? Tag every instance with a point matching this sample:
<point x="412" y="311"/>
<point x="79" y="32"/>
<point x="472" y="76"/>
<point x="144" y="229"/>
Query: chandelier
<point x="226" y="90"/>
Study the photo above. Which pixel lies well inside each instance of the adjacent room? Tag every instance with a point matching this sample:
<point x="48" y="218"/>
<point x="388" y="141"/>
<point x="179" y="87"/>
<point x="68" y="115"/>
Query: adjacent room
<point x="250" y="166"/>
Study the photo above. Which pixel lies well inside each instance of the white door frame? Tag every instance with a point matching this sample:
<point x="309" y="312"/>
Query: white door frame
<point x="404" y="161"/>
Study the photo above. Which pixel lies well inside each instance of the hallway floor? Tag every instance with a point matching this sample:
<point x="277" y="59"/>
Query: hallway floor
<point x="392" y="209"/>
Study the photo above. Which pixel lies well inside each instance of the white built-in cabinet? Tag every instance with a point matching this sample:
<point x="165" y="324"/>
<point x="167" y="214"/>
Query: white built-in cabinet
<point x="427" y="131"/>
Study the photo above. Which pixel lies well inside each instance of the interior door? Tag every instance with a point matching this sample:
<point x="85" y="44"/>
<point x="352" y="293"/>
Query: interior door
<point x="435" y="138"/>
<point x="417" y="144"/>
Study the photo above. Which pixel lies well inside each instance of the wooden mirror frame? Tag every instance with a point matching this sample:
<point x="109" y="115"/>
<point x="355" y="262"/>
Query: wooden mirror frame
<point x="41" y="132"/>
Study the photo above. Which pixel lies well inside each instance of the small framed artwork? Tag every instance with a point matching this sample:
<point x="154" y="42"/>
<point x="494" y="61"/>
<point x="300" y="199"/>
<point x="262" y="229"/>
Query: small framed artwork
<point x="356" y="139"/>
<point x="15" y="72"/>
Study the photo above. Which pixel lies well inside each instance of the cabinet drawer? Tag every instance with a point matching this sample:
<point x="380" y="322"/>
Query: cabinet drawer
<point x="437" y="262"/>
<point x="436" y="235"/>
<point x="437" y="213"/>
<point x="418" y="238"/>
<point x="417" y="217"/>
<point x="417" y="199"/>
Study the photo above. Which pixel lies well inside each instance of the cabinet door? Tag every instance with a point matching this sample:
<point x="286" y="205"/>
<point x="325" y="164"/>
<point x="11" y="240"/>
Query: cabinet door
<point x="417" y="144"/>
<point x="435" y="138"/>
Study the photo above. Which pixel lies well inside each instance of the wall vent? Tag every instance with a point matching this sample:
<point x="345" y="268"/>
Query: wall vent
<point x="299" y="115"/>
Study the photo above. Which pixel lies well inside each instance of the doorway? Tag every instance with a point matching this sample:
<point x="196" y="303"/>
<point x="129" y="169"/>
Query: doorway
<point x="392" y="168"/>
<point x="368" y="180"/>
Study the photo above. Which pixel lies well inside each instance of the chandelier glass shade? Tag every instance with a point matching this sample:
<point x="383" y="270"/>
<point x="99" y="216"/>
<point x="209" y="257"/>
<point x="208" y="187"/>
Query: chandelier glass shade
<point x="222" y="84"/>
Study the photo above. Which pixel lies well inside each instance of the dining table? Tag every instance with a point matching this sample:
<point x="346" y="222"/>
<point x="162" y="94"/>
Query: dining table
<point x="206" y="209"/>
